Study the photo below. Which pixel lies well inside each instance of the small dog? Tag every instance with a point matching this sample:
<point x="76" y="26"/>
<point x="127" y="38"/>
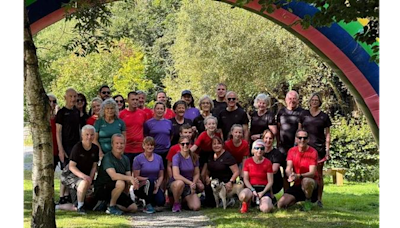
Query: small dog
<point x="219" y="191"/>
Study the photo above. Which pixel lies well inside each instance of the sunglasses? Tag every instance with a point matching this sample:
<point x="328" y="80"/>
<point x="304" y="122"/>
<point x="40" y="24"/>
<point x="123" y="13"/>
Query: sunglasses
<point x="53" y="101"/>
<point x="183" y="144"/>
<point x="106" y="92"/>
<point x="259" y="148"/>
<point x="231" y="99"/>
<point x="119" y="101"/>
<point x="79" y="100"/>
<point x="305" y="138"/>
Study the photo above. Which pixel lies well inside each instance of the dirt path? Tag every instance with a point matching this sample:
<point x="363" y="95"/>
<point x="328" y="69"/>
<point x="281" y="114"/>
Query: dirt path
<point x="169" y="219"/>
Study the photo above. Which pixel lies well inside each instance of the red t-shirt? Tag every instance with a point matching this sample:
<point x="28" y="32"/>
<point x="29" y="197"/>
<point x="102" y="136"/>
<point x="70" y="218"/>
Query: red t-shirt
<point x="258" y="172"/>
<point x="204" y="142"/>
<point x="237" y="152"/>
<point x="92" y="119"/>
<point x="149" y="113"/>
<point x="169" y="114"/>
<point x="172" y="151"/>
<point x="134" y="121"/>
<point x="302" y="161"/>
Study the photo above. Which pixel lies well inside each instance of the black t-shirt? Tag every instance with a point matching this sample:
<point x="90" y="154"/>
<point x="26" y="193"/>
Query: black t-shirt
<point x="260" y="123"/>
<point x="82" y="120"/>
<point x="220" y="168"/>
<point x="289" y="123"/>
<point x="69" y="119"/>
<point x="175" y="129"/>
<point x="228" y="118"/>
<point x="218" y="107"/>
<point x="198" y="122"/>
<point x="84" y="158"/>
<point x="315" y="126"/>
<point x="276" y="157"/>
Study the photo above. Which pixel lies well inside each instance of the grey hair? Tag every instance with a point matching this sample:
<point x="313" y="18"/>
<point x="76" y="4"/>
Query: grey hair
<point x="319" y="98"/>
<point x="264" y="97"/>
<point x="206" y="97"/>
<point x="229" y="92"/>
<point x="88" y="127"/>
<point x="117" y="135"/>
<point x="292" y="91"/>
<point x="141" y="92"/>
<point x="52" y="96"/>
<point x="109" y="102"/>
<point x="210" y="118"/>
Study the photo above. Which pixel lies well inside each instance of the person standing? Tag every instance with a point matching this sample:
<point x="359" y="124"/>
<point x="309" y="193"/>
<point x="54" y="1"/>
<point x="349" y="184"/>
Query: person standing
<point x="179" y="120"/>
<point x="261" y="119"/>
<point x="81" y="104"/>
<point x="288" y="123"/>
<point x="67" y="133"/>
<point x="191" y="111"/>
<point x="142" y="100"/>
<point x="219" y="102"/>
<point x="134" y="119"/>
<point x="233" y="115"/>
<point x="95" y="110"/>
<point x="104" y="92"/>
<point x="53" y="112"/>
<point x="302" y="170"/>
<point x="107" y="125"/>
<point x="119" y="99"/>
<point x="206" y="105"/>
<point x="317" y="124"/>
<point x="162" y="97"/>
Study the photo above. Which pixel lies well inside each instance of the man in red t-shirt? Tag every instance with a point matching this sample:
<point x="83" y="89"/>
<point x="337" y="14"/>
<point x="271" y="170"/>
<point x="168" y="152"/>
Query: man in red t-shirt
<point x="134" y="119"/>
<point x="302" y="169"/>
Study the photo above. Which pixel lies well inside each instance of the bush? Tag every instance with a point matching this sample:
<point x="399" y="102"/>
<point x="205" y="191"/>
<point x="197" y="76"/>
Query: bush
<point x="353" y="147"/>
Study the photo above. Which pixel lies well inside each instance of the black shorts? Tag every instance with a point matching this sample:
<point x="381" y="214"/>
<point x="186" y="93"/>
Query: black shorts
<point x="104" y="193"/>
<point x="298" y="193"/>
<point x="260" y="188"/>
<point x="186" y="190"/>
<point x="164" y="158"/>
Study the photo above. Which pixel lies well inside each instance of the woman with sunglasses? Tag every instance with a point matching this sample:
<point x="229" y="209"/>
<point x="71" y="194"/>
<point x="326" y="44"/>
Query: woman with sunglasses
<point x="119" y="99"/>
<point x="317" y="124"/>
<point x="258" y="178"/>
<point x="185" y="181"/>
<point x="302" y="170"/>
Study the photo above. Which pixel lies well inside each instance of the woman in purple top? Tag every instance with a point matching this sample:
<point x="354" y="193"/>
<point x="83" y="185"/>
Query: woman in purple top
<point x="160" y="129"/>
<point x="148" y="168"/>
<point x="186" y="175"/>
<point x="191" y="111"/>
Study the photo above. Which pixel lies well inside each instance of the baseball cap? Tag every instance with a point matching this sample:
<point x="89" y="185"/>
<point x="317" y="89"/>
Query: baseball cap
<point x="184" y="92"/>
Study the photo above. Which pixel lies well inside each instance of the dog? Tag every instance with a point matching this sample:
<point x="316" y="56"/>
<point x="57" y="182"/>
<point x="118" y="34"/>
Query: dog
<point x="219" y="191"/>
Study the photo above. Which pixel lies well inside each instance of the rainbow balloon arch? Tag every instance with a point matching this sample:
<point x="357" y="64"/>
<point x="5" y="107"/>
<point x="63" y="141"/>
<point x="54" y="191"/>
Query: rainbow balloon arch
<point x="336" y="45"/>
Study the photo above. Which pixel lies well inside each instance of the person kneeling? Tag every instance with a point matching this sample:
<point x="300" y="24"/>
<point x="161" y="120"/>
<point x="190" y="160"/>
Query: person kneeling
<point x="185" y="181"/>
<point x="258" y="178"/>
<point x="114" y="179"/>
<point x="79" y="173"/>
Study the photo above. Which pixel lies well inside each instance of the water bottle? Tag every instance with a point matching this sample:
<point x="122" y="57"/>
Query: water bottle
<point x="257" y="200"/>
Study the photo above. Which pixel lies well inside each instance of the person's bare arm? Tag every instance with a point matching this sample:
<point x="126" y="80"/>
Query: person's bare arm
<point x="61" y="151"/>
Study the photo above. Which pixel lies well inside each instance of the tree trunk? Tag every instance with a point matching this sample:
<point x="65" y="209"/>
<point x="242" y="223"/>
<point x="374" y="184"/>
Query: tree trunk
<point x="43" y="210"/>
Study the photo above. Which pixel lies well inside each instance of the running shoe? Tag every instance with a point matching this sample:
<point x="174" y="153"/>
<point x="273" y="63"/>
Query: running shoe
<point x="100" y="206"/>
<point x="177" y="207"/>
<point x="81" y="211"/>
<point x="148" y="209"/>
<point x="114" y="210"/>
<point x="244" y="208"/>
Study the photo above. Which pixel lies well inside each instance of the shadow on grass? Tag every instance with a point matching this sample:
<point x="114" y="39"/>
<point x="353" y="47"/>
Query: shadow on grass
<point x="340" y="210"/>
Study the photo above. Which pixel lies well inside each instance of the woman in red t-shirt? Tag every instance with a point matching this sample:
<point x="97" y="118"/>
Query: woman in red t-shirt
<point x="258" y="178"/>
<point x="95" y="105"/>
<point x="236" y="145"/>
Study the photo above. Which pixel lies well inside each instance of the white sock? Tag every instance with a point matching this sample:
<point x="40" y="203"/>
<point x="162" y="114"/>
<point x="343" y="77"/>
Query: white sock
<point x="80" y="204"/>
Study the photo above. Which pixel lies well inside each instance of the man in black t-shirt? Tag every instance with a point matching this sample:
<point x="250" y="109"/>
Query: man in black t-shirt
<point x="219" y="101"/>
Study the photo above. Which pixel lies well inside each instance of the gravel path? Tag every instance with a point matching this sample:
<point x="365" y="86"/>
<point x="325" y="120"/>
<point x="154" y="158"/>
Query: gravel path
<point x="169" y="219"/>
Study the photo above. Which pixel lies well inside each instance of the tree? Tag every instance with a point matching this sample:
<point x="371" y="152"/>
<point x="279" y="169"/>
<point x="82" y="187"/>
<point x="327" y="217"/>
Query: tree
<point x="335" y="11"/>
<point x="43" y="210"/>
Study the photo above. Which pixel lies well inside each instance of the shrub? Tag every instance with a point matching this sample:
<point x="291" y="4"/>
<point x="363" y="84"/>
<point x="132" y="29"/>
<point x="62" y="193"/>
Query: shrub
<point x="353" y="147"/>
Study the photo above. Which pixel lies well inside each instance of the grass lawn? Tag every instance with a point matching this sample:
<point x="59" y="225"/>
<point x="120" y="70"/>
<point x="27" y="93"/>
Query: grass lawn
<point x="350" y="205"/>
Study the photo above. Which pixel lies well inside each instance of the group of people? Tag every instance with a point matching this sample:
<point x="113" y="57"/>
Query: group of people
<point x="116" y="154"/>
